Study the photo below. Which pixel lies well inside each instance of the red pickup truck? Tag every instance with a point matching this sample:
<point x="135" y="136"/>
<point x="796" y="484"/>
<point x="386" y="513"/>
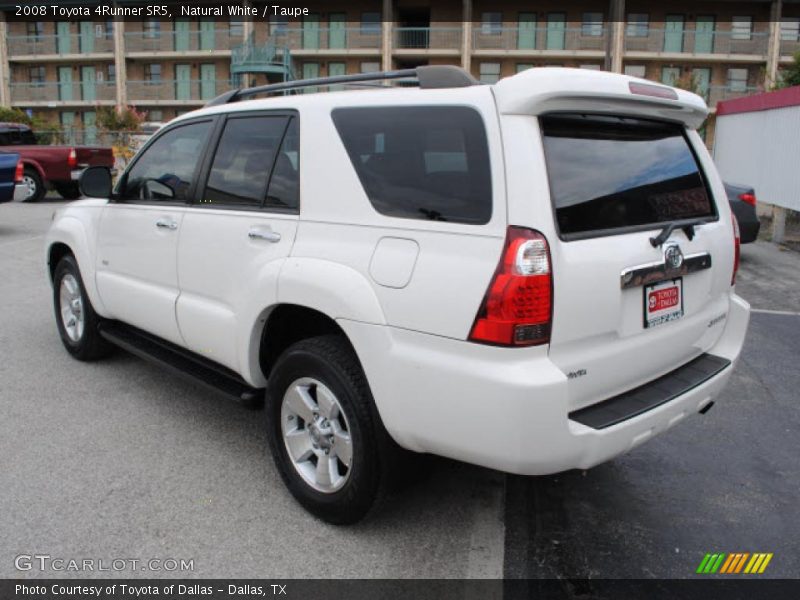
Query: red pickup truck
<point x="58" y="167"/>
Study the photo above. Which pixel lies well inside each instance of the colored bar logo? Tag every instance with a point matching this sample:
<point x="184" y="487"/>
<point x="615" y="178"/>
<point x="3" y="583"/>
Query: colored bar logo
<point x="735" y="563"/>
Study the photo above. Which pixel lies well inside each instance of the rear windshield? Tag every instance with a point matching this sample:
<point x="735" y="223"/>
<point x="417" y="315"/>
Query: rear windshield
<point x="614" y="173"/>
<point x="420" y="162"/>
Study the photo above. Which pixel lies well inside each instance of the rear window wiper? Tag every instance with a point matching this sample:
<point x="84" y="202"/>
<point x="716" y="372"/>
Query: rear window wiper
<point x="666" y="231"/>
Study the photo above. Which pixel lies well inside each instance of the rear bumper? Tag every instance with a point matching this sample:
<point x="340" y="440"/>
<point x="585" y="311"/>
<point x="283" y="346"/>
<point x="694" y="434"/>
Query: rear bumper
<point x="20" y="192"/>
<point x="748" y="231"/>
<point x="507" y="409"/>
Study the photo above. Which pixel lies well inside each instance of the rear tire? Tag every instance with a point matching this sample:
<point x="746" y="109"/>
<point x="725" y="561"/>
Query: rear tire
<point x="68" y="191"/>
<point x="77" y="322"/>
<point x="317" y="397"/>
<point x="35" y="184"/>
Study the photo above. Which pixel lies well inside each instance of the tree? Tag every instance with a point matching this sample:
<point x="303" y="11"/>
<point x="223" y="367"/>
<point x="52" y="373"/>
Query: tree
<point x="790" y="76"/>
<point x="689" y="82"/>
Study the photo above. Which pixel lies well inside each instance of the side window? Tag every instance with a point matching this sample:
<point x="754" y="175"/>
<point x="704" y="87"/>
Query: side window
<point x="166" y="169"/>
<point x="284" y="186"/>
<point x="420" y="162"/>
<point x="243" y="161"/>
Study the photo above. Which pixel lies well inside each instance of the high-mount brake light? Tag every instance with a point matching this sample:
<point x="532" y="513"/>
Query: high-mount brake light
<point x="656" y="91"/>
<point x="517" y="307"/>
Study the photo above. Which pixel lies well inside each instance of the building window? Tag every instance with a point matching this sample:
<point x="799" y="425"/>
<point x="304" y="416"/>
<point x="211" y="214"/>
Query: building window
<point x="737" y="80"/>
<point x="111" y="72"/>
<point x="492" y="23"/>
<point x="151" y="28"/>
<point x="638" y="24"/>
<point x="489" y="72"/>
<point x="592" y="24"/>
<point x="236" y="28"/>
<point x="35" y="29"/>
<point x="152" y="73"/>
<point x="635" y="71"/>
<point x="523" y="67"/>
<point x="371" y="23"/>
<point x="590" y="67"/>
<point x="36" y="75"/>
<point x="155" y="115"/>
<point x="109" y="29"/>
<point x="790" y="29"/>
<point x="278" y="25"/>
<point x="370" y="67"/>
<point x="669" y="75"/>
<point x="741" y="28"/>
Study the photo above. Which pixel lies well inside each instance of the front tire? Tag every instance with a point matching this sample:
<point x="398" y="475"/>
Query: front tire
<point x="327" y="439"/>
<point x="75" y="317"/>
<point x="33" y="181"/>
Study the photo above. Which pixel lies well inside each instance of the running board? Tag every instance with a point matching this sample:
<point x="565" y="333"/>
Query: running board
<point x="181" y="362"/>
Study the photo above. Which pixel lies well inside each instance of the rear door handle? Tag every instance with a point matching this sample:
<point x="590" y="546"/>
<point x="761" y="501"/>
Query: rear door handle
<point x="264" y="234"/>
<point x="166" y="223"/>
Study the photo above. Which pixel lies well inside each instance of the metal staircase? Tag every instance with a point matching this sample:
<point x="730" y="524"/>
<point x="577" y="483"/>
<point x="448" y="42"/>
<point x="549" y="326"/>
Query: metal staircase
<point x="270" y="59"/>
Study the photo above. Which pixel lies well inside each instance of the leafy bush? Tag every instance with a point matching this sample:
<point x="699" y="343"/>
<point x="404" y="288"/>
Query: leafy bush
<point x="790" y="76"/>
<point x="126" y="118"/>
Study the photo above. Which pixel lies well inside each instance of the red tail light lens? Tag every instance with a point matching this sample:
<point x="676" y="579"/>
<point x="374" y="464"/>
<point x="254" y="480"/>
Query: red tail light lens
<point x="748" y="199"/>
<point x="517" y="308"/>
<point x="736" y="244"/>
<point x="72" y="160"/>
<point x="19" y="173"/>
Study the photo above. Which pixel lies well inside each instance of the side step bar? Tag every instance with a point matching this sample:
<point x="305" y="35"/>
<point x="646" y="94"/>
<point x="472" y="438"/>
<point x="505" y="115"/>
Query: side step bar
<point x="647" y="397"/>
<point x="181" y="362"/>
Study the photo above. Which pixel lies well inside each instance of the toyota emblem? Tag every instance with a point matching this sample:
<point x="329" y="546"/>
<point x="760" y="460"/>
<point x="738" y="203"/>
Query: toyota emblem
<point x="673" y="257"/>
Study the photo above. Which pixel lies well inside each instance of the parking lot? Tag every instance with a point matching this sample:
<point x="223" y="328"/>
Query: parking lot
<point x="117" y="459"/>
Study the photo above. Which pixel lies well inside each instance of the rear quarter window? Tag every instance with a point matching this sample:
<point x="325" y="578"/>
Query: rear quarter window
<point x="611" y="174"/>
<point x="420" y="162"/>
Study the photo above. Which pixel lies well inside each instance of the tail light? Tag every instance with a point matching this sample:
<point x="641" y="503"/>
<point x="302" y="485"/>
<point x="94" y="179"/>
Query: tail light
<point x="19" y="173"/>
<point x="736" y="244"/>
<point x="517" y="308"/>
<point x="72" y="160"/>
<point x="748" y="199"/>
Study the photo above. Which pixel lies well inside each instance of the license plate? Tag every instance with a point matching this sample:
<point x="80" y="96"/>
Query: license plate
<point x="663" y="302"/>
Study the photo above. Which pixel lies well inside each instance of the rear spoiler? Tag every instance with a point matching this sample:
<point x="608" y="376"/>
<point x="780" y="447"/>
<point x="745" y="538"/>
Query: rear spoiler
<point x="549" y="89"/>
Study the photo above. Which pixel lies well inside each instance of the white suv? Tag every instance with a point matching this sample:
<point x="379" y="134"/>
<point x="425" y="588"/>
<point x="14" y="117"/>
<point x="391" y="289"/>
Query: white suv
<point x="533" y="276"/>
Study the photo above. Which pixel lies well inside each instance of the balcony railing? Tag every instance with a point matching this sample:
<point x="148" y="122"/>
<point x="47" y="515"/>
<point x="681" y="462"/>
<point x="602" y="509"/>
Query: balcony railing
<point x="23" y="45"/>
<point x="181" y="41"/>
<point x="790" y="47"/>
<point x="73" y="91"/>
<point x="428" y="38"/>
<point x="690" y="41"/>
<point x="717" y="93"/>
<point x="326" y="38"/>
<point x="194" y="91"/>
<point x="539" y="38"/>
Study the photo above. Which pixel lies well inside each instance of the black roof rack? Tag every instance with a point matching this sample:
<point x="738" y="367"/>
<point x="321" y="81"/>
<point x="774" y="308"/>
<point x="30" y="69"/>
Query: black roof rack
<point x="428" y="77"/>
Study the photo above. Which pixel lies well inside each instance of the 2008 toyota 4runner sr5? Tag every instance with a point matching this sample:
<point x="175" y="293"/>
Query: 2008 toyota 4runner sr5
<point x="534" y="276"/>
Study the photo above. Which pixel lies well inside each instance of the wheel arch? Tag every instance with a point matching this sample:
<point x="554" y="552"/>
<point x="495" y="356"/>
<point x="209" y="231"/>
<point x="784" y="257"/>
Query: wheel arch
<point x="28" y="162"/>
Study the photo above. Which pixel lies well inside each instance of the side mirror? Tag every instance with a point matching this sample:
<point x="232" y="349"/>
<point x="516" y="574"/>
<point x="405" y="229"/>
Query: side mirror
<point x="153" y="189"/>
<point x="95" y="182"/>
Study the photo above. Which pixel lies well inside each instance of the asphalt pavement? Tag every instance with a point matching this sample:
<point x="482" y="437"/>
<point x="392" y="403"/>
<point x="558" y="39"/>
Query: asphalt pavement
<point x="118" y="459"/>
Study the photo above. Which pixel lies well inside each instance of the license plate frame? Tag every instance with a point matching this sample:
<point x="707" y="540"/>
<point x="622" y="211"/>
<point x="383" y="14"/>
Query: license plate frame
<point x="667" y="305"/>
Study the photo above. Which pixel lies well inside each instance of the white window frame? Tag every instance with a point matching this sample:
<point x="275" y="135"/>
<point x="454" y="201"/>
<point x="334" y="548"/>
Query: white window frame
<point x="790" y="29"/>
<point x="489" y="72"/>
<point x="592" y="24"/>
<point x="636" y="71"/>
<point x="741" y="28"/>
<point x="737" y="84"/>
<point x="638" y="25"/>
<point x="491" y="23"/>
